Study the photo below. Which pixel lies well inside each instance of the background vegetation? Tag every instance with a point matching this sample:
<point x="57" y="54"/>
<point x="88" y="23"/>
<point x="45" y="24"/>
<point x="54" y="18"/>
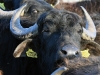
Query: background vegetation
<point x="2" y="6"/>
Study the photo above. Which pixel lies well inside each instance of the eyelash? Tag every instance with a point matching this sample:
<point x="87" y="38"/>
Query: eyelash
<point x="46" y="30"/>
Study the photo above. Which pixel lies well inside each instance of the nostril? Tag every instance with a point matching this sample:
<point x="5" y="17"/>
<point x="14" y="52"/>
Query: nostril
<point x="77" y="53"/>
<point x="64" y="52"/>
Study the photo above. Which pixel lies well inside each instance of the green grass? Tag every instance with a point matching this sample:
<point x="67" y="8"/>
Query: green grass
<point x="2" y="5"/>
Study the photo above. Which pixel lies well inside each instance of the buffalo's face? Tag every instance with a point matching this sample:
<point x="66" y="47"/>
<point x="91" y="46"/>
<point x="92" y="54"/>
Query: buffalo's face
<point x="32" y="11"/>
<point x="60" y="37"/>
<point x="61" y="32"/>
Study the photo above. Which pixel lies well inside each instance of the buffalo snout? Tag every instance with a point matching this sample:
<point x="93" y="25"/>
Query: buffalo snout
<point x="70" y="51"/>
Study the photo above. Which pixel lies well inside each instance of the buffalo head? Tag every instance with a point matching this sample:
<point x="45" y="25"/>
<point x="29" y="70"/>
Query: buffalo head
<point x="30" y="13"/>
<point x="59" y="36"/>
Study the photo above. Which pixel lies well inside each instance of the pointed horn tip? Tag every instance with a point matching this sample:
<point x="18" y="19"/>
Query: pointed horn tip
<point x="82" y="8"/>
<point x="64" y="68"/>
<point x="60" y="70"/>
<point x="19" y="11"/>
<point x="23" y="6"/>
<point x="15" y="55"/>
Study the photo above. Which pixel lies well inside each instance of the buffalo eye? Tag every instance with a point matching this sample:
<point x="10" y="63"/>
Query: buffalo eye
<point x="34" y="11"/>
<point x="79" y="31"/>
<point x="45" y="31"/>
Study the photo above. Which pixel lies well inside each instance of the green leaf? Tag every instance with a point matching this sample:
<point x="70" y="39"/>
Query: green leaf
<point x="2" y="6"/>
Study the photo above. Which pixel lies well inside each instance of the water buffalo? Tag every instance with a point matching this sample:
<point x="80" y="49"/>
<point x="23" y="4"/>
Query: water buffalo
<point x="59" y="35"/>
<point x="8" y="64"/>
<point x="92" y="6"/>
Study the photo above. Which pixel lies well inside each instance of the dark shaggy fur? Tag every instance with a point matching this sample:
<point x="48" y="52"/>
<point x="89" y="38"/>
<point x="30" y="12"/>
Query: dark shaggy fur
<point x="8" y="64"/>
<point x="84" y="66"/>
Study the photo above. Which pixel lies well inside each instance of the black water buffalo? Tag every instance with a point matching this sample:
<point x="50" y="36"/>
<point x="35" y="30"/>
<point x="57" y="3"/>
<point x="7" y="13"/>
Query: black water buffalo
<point x="8" y="64"/>
<point x="92" y="6"/>
<point x="60" y="36"/>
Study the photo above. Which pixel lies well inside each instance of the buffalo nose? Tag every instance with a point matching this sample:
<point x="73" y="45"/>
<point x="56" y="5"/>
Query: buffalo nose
<point x="70" y="51"/>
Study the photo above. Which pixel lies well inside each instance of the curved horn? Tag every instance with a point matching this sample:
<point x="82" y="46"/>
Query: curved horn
<point x="6" y="14"/>
<point x="89" y="32"/>
<point x="59" y="71"/>
<point x="18" y="30"/>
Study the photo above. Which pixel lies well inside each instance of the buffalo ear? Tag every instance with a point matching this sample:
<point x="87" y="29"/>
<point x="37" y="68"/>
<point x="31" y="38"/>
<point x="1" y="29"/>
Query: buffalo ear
<point x="22" y="48"/>
<point x="94" y="48"/>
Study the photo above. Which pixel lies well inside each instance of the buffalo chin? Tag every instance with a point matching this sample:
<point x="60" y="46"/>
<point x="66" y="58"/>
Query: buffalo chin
<point x="62" y="62"/>
<point x="60" y="66"/>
